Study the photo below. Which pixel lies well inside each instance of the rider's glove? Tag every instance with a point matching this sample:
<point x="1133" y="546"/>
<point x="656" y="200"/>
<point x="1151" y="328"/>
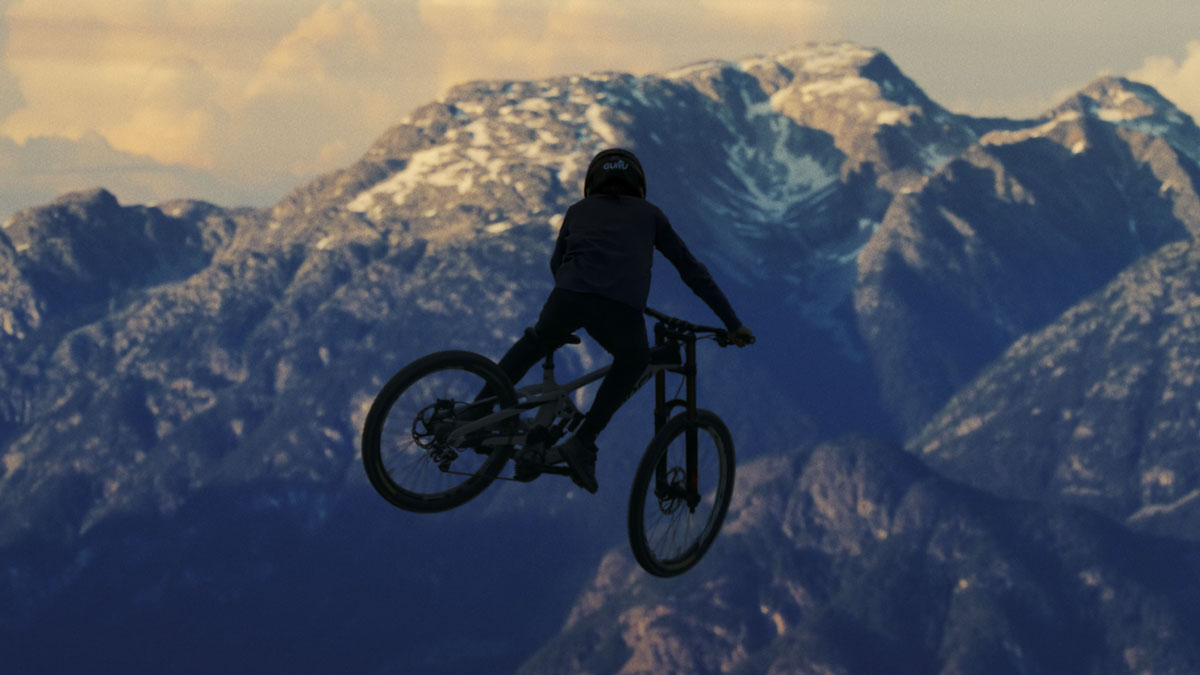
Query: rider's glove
<point x="742" y="336"/>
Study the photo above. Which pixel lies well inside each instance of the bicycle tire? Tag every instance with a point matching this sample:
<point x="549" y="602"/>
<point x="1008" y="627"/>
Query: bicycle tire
<point x="376" y="438"/>
<point x="717" y="491"/>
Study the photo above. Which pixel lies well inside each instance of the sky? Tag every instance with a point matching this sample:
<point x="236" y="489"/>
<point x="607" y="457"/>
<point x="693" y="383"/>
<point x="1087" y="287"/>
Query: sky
<point x="239" y="101"/>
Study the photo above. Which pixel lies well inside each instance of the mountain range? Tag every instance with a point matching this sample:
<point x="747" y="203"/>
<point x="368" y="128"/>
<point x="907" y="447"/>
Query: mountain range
<point x="966" y="436"/>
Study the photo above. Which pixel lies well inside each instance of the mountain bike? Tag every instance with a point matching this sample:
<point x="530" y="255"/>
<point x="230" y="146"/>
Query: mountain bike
<point x="444" y="428"/>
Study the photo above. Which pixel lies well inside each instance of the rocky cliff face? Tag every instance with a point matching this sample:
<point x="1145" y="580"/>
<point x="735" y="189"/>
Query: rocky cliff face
<point x="1014" y="232"/>
<point x="183" y="387"/>
<point x="1099" y="408"/>
<point x="856" y="558"/>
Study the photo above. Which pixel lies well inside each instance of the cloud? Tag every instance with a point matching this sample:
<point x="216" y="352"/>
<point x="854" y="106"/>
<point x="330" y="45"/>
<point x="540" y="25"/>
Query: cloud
<point x="313" y="101"/>
<point x="481" y="39"/>
<point x="10" y="91"/>
<point x="174" y="117"/>
<point x="255" y="91"/>
<point x="335" y="40"/>
<point x="249" y="91"/>
<point x="1177" y="80"/>
<point x="94" y="66"/>
<point x="42" y="168"/>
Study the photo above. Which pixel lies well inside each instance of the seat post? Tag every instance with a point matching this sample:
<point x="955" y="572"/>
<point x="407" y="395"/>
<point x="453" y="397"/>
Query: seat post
<point x="548" y="363"/>
<point x="548" y="368"/>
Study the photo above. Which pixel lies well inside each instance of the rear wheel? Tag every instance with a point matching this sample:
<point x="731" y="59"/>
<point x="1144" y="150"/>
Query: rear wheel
<point x="671" y="526"/>
<point x="412" y="452"/>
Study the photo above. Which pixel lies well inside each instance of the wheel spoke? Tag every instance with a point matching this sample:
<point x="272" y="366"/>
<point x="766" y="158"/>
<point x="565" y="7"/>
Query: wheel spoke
<point x="410" y="450"/>
<point x="667" y="536"/>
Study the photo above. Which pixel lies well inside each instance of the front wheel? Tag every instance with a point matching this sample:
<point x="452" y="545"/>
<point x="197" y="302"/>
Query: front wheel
<point x="412" y="449"/>
<point x="671" y="523"/>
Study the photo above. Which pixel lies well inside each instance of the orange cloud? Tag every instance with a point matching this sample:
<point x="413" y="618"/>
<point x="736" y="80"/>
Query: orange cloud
<point x="497" y="39"/>
<point x="270" y="87"/>
<point x="1177" y="80"/>
<point x="241" y="87"/>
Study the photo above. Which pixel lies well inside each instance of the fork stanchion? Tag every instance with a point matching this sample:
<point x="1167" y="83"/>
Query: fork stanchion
<point x="661" y="410"/>
<point x="692" y="434"/>
<point x="660" y="384"/>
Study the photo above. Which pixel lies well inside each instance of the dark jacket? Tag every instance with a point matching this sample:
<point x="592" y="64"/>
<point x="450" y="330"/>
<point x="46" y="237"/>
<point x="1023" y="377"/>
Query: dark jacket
<point x="606" y="246"/>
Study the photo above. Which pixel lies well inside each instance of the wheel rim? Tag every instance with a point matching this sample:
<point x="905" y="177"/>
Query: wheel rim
<point x="417" y="454"/>
<point x="675" y="534"/>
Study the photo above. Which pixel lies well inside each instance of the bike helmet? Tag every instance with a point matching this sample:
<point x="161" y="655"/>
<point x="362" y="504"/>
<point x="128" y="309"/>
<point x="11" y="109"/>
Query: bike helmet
<point x="615" y="170"/>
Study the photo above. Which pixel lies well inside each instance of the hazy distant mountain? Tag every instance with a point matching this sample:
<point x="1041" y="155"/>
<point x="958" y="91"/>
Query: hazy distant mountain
<point x="184" y="384"/>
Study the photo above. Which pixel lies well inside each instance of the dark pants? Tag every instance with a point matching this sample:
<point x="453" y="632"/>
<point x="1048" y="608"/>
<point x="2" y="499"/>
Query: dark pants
<point x="619" y="328"/>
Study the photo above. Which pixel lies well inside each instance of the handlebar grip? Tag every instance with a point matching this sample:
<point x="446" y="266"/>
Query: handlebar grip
<point x="724" y="339"/>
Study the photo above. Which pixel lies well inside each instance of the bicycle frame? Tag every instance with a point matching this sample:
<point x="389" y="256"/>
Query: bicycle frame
<point x="550" y="397"/>
<point x="438" y="422"/>
<point x="553" y="403"/>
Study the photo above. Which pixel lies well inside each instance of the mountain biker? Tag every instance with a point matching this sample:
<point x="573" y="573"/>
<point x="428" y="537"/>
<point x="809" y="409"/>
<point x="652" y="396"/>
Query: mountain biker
<point x="601" y="267"/>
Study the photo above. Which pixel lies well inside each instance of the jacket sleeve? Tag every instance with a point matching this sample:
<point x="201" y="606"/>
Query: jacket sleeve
<point x="694" y="273"/>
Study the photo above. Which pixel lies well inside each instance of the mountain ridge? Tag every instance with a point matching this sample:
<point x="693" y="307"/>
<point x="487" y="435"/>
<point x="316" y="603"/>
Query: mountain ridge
<point x="1031" y="222"/>
<point x="1118" y="371"/>
<point x="853" y="558"/>
<point x="230" y="378"/>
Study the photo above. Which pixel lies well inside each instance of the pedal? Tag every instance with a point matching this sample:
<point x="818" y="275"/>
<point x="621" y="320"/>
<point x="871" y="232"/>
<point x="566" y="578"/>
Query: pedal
<point x="551" y="457"/>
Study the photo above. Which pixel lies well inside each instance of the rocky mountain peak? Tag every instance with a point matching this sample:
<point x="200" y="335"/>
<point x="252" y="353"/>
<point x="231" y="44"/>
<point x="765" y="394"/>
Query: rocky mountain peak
<point x="1116" y="99"/>
<point x="820" y="73"/>
<point x="1132" y="105"/>
<point x="1070" y="199"/>
<point x="842" y="66"/>
<point x="74" y="210"/>
<point x="513" y="146"/>
<point x="877" y="116"/>
<point x="84" y="247"/>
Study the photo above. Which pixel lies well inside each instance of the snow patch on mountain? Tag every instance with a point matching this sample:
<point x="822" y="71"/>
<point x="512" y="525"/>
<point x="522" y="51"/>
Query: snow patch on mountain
<point x="1136" y="106"/>
<point x="442" y="166"/>
<point x="1040" y="131"/>
<point x="597" y="117"/>
<point x="819" y="59"/>
<point x="842" y="86"/>
<point x="772" y="184"/>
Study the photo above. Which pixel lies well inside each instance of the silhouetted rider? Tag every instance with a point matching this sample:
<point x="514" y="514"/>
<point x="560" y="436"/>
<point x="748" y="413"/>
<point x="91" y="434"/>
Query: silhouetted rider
<point x="601" y="266"/>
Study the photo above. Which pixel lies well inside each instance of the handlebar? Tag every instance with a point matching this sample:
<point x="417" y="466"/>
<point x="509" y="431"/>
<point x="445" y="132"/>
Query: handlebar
<point x="676" y="324"/>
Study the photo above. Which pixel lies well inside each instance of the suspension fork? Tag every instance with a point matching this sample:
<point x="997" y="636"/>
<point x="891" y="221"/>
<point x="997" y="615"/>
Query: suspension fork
<point x="693" y="431"/>
<point x="661" y="412"/>
<point x="660" y="386"/>
<point x="662" y="409"/>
